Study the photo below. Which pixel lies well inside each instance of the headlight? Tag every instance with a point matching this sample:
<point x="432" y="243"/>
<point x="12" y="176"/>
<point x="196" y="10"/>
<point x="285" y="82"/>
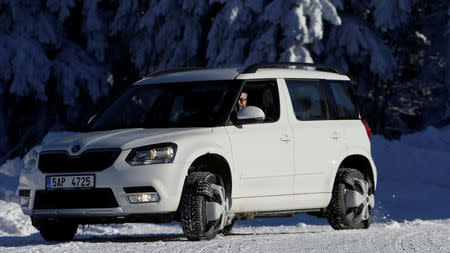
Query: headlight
<point x="152" y="154"/>
<point x="30" y="160"/>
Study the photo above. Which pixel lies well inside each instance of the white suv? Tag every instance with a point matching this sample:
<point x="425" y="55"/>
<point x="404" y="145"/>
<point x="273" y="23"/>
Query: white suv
<point x="175" y="147"/>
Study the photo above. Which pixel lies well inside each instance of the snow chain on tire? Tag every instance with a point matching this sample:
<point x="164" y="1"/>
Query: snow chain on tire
<point x="336" y="211"/>
<point x="197" y="190"/>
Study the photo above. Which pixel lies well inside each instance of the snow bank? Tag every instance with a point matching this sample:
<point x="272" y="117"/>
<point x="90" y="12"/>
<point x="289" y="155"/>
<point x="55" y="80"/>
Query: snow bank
<point x="432" y="139"/>
<point x="13" y="221"/>
<point x="9" y="178"/>
<point x="414" y="175"/>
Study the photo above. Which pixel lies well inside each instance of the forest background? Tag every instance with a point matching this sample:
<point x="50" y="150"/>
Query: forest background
<point x="61" y="60"/>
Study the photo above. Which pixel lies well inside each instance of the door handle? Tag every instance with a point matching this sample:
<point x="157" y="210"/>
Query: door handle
<point x="334" y="135"/>
<point x="286" y="138"/>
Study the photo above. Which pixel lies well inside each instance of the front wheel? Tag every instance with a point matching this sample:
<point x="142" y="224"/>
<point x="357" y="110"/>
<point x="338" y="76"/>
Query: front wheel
<point x="227" y="229"/>
<point x="56" y="230"/>
<point x="351" y="202"/>
<point x="203" y="206"/>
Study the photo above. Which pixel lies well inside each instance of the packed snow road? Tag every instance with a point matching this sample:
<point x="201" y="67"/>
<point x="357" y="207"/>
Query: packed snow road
<point x="409" y="236"/>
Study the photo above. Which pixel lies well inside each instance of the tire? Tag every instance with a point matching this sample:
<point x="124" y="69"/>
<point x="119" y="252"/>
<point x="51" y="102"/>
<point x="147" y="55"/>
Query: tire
<point x="57" y="230"/>
<point x="227" y="229"/>
<point x="353" y="211"/>
<point x="197" y="191"/>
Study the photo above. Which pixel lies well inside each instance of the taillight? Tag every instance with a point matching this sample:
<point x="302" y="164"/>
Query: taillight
<point x="369" y="132"/>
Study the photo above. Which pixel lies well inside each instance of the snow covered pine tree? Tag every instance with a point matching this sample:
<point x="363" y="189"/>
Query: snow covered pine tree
<point x="60" y="58"/>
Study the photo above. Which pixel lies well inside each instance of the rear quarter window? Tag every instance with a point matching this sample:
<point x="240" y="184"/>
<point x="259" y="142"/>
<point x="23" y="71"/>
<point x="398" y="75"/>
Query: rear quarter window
<point x="342" y="104"/>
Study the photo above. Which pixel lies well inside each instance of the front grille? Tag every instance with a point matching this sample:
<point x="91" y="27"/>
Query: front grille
<point x="73" y="199"/>
<point x="90" y="160"/>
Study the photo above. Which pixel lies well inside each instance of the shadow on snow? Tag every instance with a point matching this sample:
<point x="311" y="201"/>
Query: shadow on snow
<point x="36" y="239"/>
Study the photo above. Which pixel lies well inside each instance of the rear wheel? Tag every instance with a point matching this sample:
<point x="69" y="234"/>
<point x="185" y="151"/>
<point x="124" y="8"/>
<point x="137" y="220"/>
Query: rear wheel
<point x="56" y="230"/>
<point x="352" y="200"/>
<point x="203" y="206"/>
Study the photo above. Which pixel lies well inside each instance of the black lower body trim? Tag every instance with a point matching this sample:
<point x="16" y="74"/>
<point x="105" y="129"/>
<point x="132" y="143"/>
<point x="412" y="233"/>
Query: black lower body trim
<point x="74" y="199"/>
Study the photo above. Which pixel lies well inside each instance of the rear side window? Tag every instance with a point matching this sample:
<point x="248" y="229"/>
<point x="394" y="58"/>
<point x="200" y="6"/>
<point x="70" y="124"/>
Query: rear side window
<point x="307" y="100"/>
<point x="343" y="106"/>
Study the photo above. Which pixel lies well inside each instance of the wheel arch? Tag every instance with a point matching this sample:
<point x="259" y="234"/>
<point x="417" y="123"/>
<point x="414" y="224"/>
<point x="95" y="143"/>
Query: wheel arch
<point x="216" y="164"/>
<point x="361" y="163"/>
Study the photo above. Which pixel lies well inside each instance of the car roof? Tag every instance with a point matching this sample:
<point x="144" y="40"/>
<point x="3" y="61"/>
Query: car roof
<point x="288" y="73"/>
<point x="192" y="75"/>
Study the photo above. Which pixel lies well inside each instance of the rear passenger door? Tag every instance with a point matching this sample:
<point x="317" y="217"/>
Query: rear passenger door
<point x="345" y="114"/>
<point x="318" y="140"/>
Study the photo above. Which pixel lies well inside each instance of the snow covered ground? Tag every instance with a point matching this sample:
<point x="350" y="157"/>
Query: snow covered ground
<point x="407" y="236"/>
<point x="411" y="214"/>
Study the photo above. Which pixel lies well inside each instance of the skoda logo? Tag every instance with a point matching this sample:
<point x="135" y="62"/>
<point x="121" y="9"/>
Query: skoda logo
<point x="76" y="148"/>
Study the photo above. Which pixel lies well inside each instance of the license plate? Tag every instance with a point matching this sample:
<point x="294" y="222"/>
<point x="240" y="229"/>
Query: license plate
<point x="75" y="181"/>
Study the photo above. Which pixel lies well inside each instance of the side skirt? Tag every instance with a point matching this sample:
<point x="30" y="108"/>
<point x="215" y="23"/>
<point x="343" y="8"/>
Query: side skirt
<point x="293" y="203"/>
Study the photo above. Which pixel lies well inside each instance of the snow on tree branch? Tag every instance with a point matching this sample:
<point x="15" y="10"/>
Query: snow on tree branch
<point x="390" y="14"/>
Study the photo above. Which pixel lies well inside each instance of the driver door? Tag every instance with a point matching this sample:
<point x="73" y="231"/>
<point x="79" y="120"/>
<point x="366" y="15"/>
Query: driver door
<point x="263" y="152"/>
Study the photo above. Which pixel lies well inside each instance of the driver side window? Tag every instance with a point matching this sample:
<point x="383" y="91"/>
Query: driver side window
<point x="264" y="95"/>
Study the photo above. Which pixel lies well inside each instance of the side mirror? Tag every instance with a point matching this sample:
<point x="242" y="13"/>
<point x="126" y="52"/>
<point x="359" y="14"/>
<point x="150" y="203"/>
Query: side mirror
<point x="91" y="119"/>
<point x="250" y="114"/>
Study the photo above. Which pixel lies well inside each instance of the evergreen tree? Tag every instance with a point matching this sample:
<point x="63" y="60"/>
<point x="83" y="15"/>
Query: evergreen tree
<point x="405" y="46"/>
<point x="61" y="59"/>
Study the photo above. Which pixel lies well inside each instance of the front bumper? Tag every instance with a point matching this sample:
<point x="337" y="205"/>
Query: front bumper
<point x="79" y="213"/>
<point x="166" y="179"/>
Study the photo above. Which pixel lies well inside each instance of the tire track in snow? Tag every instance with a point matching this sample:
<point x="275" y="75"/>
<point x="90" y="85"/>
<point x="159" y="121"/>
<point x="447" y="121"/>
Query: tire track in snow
<point x="423" y="241"/>
<point x="416" y="236"/>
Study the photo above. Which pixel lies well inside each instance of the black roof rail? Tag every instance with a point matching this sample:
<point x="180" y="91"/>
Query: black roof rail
<point x="172" y="70"/>
<point x="254" y="67"/>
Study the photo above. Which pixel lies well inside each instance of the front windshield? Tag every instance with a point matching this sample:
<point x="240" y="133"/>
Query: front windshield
<point x="194" y="104"/>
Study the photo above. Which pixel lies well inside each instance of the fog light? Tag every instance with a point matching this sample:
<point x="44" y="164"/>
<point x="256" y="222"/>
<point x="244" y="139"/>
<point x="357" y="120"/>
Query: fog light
<point x="143" y="197"/>
<point x="24" y="193"/>
<point x="24" y="201"/>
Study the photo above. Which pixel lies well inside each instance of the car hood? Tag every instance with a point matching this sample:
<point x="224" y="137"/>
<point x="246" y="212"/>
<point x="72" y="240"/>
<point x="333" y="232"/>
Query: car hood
<point x="121" y="138"/>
